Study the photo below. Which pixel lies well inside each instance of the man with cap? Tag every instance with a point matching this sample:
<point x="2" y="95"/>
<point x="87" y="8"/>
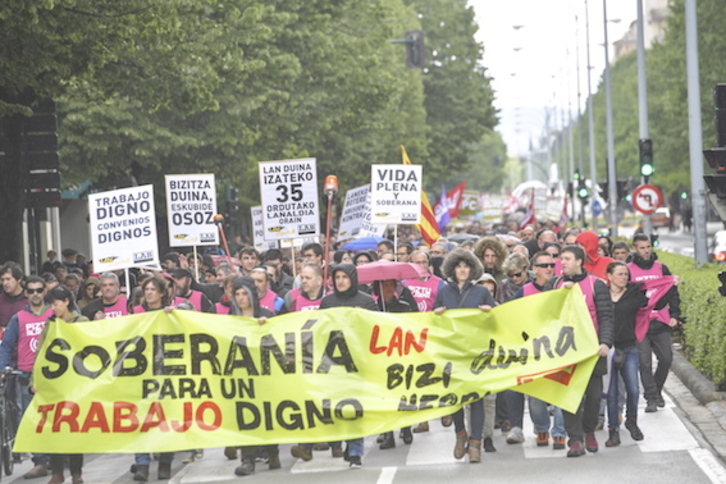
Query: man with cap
<point x="183" y="282"/>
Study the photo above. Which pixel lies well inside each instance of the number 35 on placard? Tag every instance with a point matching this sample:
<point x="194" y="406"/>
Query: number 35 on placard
<point x="294" y="193"/>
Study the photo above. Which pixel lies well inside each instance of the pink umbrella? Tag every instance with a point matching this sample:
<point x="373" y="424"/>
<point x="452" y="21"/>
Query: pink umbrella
<point x="384" y="270"/>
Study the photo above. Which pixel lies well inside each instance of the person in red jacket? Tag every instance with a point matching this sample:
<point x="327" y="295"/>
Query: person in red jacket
<point x="595" y="264"/>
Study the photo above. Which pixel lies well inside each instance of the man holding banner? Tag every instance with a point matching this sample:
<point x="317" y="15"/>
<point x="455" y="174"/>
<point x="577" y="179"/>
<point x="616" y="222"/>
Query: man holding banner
<point x="581" y="425"/>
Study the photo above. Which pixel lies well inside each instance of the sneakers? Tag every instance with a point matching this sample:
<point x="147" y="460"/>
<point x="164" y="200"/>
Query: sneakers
<point x="420" y="428"/>
<point x="388" y="441"/>
<point x="57" y="479"/>
<point x="635" y="432"/>
<point x="301" y="452"/>
<point x="474" y="452"/>
<point x="37" y="471"/>
<point x="446" y="420"/>
<point x="543" y="439"/>
<point x="591" y="442"/>
<point x="660" y="401"/>
<point x="141" y="473"/>
<point x="576" y="449"/>
<point x="355" y="462"/>
<point x="515" y="436"/>
<point x="230" y="453"/>
<point x="651" y="406"/>
<point x="247" y="468"/>
<point x="558" y="443"/>
<point x="460" y="447"/>
<point x="164" y="471"/>
<point x="614" y="439"/>
<point x="406" y="435"/>
<point x="489" y="445"/>
<point x="336" y="450"/>
<point x="189" y="457"/>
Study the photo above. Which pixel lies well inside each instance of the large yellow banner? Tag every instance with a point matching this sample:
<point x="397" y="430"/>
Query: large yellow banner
<point x="159" y="382"/>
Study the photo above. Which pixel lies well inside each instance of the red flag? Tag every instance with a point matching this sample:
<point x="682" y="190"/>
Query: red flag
<point x="428" y="227"/>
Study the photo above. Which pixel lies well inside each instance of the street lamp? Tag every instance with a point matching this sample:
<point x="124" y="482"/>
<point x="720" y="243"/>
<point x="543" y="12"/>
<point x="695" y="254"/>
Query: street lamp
<point x="612" y="178"/>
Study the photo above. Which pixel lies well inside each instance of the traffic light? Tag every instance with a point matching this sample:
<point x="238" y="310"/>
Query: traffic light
<point x="722" y="279"/>
<point x="719" y="120"/>
<point x="576" y="175"/>
<point x="654" y="240"/>
<point x="604" y="192"/>
<point x="415" y="50"/>
<point x="40" y="150"/>
<point x="646" y="157"/>
<point x="684" y="195"/>
<point x="570" y="190"/>
<point x="582" y="191"/>
<point x="622" y="189"/>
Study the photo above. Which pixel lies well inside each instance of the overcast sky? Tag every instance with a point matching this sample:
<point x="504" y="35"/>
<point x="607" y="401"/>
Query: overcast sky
<point x="534" y="66"/>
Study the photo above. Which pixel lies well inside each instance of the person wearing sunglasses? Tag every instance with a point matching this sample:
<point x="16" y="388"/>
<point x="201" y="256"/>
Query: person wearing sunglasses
<point x="543" y="266"/>
<point x="21" y="338"/>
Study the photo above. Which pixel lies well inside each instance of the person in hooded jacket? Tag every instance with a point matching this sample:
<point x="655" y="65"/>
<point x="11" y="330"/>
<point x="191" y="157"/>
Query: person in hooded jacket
<point x="492" y="253"/>
<point x="595" y="264"/>
<point x="346" y="294"/>
<point x="245" y="303"/>
<point x="462" y="269"/>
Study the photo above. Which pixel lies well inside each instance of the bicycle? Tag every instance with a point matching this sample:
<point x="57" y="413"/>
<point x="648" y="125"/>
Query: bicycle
<point x="9" y="413"/>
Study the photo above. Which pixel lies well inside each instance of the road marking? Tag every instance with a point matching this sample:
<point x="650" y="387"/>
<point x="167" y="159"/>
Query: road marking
<point x="709" y="465"/>
<point x="387" y="475"/>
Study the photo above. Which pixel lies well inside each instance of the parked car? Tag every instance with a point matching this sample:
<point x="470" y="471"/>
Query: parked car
<point x="718" y="247"/>
<point x="661" y="217"/>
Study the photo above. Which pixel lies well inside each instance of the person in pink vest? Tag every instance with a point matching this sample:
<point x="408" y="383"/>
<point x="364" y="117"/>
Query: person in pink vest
<point x="307" y="297"/>
<point x="267" y="297"/>
<point x="183" y="282"/>
<point x="18" y="349"/>
<point x="155" y="295"/>
<point x="543" y="266"/>
<point x="111" y="304"/>
<point x="224" y="306"/>
<point x="12" y="296"/>
<point x="580" y="426"/>
<point x="424" y="289"/>
<point x="658" y="339"/>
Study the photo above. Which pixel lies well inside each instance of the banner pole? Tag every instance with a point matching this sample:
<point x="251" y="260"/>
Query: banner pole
<point x="196" y="263"/>
<point x="126" y="275"/>
<point x="395" y="242"/>
<point x="292" y="258"/>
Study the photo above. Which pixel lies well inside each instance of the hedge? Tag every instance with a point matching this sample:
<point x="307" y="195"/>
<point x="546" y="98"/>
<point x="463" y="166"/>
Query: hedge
<point x="704" y="309"/>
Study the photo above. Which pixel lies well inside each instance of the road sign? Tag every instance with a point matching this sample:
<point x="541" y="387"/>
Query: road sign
<point x="646" y="199"/>
<point x="596" y="207"/>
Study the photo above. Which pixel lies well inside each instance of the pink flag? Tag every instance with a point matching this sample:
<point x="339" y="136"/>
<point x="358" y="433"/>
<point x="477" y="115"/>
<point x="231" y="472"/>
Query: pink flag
<point x="655" y="289"/>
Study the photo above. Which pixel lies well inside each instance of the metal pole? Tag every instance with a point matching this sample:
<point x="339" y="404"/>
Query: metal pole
<point x="579" y="99"/>
<point x="695" y="137"/>
<point x="643" y="100"/>
<point x="590" y="117"/>
<point x="612" y="178"/>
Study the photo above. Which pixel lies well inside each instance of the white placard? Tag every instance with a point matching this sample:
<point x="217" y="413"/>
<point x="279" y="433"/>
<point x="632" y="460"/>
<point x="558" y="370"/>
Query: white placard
<point x="258" y="230"/>
<point x="289" y="192"/>
<point x="191" y="203"/>
<point x="123" y="228"/>
<point x="396" y="194"/>
<point x="355" y="221"/>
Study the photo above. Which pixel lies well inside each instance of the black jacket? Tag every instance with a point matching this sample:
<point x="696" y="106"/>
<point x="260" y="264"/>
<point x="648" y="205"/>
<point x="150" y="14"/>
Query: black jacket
<point x="248" y="284"/>
<point x="625" y="310"/>
<point x="351" y="297"/>
<point x="672" y="297"/>
<point x="603" y="305"/>
<point x="471" y="295"/>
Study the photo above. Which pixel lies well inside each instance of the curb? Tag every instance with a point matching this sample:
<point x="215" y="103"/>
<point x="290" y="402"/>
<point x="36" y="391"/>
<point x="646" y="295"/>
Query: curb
<point x="701" y="387"/>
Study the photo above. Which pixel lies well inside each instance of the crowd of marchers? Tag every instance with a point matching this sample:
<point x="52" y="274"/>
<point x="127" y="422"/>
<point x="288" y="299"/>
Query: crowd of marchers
<point x="482" y="272"/>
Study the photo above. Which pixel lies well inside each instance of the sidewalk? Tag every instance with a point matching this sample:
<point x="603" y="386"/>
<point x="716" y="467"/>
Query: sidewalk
<point x="700" y="403"/>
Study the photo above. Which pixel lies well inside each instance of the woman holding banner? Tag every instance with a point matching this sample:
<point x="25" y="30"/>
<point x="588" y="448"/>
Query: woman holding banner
<point x="62" y="302"/>
<point x="461" y="268"/>
<point x="628" y="298"/>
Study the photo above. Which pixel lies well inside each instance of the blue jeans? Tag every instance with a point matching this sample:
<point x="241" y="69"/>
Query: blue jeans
<point x="355" y="447"/>
<point x="145" y="459"/>
<point x="541" y="418"/>
<point x="477" y="420"/>
<point x="629" y="372"/>
<point x="23" y="397"/>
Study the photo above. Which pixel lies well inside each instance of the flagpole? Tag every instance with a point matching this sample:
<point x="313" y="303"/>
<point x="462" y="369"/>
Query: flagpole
<point x="395" y="243"/>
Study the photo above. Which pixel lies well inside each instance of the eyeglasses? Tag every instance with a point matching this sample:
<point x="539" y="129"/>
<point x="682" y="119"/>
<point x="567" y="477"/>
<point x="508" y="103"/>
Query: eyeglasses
<point x="518" y="274"/>
<point x="36" y="291"/>
<point x="545" y="266"/>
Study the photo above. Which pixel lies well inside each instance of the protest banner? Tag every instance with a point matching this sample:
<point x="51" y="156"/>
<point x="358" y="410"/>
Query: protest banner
<point x="396" y="194"/>
<point x="258" y="230"/>
<point x="123" y="228"/>
<point x="158" y="382"/>
<point x="191" y="204"/>
<point x="355" y="222"/>
<point x="469" y="205"/>
<point x="289" y="193"/>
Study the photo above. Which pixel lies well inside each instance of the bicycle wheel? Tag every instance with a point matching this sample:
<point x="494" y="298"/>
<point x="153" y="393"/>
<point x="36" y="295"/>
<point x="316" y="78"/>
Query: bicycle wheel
<point x="8" y="437"/>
